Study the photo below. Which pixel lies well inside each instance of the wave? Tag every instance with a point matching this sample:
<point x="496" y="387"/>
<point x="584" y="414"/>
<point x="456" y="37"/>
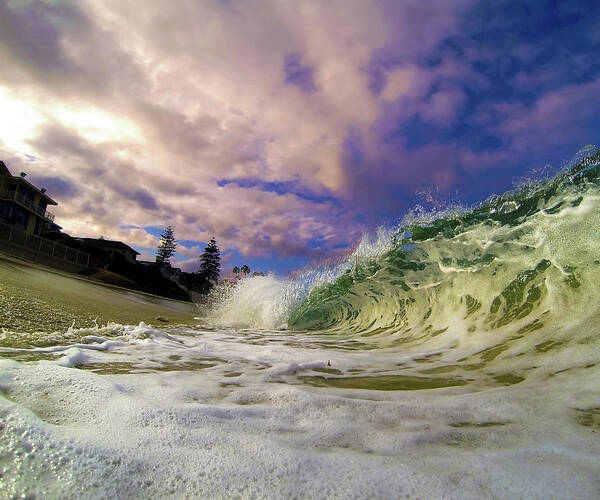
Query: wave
<point x="518" y="273"/>
<point x="511" y="261"/>
<point x="268" y="302"/>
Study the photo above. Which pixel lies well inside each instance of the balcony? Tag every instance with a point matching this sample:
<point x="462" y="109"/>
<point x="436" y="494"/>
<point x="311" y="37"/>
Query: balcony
<point x="27" y="203"/>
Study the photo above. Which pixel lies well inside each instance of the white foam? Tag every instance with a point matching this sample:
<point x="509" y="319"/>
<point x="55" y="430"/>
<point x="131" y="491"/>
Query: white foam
<point x="233" y="419"/>
<point x="181" y="435"/>
<point x="72" y="357"/>
<point x="266" y="302"/>
<point x="256" y="302"/>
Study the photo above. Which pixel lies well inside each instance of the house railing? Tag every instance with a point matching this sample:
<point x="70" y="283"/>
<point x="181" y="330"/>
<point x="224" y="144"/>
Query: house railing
<point x="23" y="200"/>
<point x="42" y="245"/>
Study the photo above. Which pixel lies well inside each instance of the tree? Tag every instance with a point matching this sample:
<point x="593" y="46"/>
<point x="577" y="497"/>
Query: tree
<point x="166" y="247"/>
<point x="210" y="264"/>
<point x="245" y="269"/>
<point x="236" y="270"/>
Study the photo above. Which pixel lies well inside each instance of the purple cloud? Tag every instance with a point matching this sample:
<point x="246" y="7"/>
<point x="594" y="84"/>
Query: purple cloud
<point x="297" y="74"/>
<point x="57" y="187"/>
<point x="152" y="122"/>
<point x="557" y="117"/>
<point x="143" y="198"/>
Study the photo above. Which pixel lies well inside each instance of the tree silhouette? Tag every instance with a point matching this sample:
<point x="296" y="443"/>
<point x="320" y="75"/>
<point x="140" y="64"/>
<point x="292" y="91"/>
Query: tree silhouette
<point x="236" y="270"/>
<point x="245" y="269"/>
<point x="210" y="264"/>
<point x="166" y="247"/>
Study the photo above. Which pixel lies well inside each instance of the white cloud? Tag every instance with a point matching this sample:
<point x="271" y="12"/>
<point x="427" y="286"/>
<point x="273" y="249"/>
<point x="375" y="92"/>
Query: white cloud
<point x="144" y="106"/>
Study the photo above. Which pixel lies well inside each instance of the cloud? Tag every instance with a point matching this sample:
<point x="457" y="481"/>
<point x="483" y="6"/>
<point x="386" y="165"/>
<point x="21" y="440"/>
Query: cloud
<point x="443" y="106"/>
<point x="284" y="129"/>
<point x="556" y="118"/>
<point x="186" y="128"/>
<point x="298" y="74"/>
<point x="56" y="186"/>
<point x="28" y="34"/>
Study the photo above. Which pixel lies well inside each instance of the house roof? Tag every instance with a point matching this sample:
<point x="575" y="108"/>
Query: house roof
<point x="4" y="171"/>
<point x="102" y="243"/>
<point x="20" y="179"/>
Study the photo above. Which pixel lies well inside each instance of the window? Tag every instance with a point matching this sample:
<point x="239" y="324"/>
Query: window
<point x="4" y="210"/>
<point x="20" y="217"/>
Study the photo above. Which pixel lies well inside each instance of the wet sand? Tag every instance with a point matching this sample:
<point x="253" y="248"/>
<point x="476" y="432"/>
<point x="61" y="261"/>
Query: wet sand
<point x="35" y="298"/>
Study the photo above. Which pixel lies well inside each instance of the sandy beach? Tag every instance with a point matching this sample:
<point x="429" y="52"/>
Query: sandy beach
<point x="35" y="298"/>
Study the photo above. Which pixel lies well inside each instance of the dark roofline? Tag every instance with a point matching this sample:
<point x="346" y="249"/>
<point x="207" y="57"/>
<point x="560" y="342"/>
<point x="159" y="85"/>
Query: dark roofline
<point x="49" y="200"/>
<point x="100" y="242"/>
<point x="5" y="171"/>
<point x="54" y="224"/>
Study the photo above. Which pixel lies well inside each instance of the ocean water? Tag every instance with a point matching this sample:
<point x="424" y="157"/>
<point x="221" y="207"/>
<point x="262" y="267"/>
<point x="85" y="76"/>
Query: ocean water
<point x="456" y="356"/>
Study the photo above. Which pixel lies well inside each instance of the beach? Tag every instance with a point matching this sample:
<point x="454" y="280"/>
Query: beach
<point x="40" y="299"/>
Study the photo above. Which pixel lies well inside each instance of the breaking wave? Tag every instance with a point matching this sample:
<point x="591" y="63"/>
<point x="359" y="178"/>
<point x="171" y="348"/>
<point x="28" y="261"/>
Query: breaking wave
<point x="519" y="274"/>
<point x="523" y="259"/>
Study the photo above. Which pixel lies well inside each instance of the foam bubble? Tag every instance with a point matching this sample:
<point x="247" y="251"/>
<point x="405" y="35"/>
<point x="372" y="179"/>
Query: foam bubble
<point x="189" y="412"/>
<point x="72" y="357"/>
<point x="72" y="433"/>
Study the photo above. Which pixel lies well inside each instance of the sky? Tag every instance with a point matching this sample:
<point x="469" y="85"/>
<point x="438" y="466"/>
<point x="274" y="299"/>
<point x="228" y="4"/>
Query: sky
<point x="287" y="129"/>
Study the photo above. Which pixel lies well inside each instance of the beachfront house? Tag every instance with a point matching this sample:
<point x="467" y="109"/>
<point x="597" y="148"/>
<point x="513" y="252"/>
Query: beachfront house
<point x="23" y="205"/>
<point x="111" y="249"/>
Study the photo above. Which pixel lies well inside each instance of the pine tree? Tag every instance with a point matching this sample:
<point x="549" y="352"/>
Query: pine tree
<point x="166" y="247"/>
<point x="245" y="269"/>
<point x="210" y="263"/>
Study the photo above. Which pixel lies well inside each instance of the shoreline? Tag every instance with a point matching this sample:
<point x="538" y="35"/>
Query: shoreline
<point x="35" y="298"/>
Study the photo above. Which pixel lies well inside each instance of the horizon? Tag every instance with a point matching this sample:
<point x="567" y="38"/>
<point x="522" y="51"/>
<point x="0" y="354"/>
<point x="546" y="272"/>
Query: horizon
<point x="287" y="130"/>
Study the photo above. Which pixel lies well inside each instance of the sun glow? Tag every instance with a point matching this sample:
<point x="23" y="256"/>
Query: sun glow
<point x="22" y="118"/>
<point x="19" y="120"/>
<point x="98" y="126"/>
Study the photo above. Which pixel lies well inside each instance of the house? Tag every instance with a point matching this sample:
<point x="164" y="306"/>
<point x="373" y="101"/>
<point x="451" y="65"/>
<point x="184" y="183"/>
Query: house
<point x="23" y="205"/>
<point x="111" y="249"/>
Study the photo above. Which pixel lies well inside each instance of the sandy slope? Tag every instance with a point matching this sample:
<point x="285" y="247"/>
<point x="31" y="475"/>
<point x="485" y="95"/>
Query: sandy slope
<point x="35" y="298"/>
